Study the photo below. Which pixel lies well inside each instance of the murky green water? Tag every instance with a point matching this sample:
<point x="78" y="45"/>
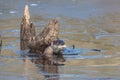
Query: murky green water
<point x="88" y="24"/>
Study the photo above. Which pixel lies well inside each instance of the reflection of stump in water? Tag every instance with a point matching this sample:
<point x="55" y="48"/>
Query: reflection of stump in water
<point x="0" y="44"/>
<point x="49" y="66"/>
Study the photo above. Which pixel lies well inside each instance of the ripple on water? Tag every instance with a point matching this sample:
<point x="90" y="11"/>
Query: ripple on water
<point x="1" y="13"/>
<point x="33" y="4"/>
<point x="70" y="53"/>
<point x="12" y="12"/>
<point x="10" y="30"/>
<point x="98" y="36"/>
<point x="10" y="33"/>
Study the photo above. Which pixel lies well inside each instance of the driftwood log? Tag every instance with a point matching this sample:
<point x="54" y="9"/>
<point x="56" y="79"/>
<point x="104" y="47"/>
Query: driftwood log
<point x="37" y="43"/>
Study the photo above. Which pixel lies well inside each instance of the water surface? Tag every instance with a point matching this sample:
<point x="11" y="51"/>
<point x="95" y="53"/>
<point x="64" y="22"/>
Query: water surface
<point x="88" y="24"/>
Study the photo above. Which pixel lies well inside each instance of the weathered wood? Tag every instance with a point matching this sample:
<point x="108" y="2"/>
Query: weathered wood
<point x="50" y="32"/>
<point x="44" y="39"/>
<point x="40" y="42"/>
<point x="43" y="42"/>
<point x="27" y="29"/>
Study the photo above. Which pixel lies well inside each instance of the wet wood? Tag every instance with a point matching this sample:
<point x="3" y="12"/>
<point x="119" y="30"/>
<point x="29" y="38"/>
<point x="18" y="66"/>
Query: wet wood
<point x="49" y="34"/>
<point x="27" y="29"/>
<point x="37" y="43"/>
<point x="41" y="44"/>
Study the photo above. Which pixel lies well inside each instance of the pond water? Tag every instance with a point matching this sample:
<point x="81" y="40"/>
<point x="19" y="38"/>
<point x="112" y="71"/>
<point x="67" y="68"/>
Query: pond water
<point x="87" y="24"/>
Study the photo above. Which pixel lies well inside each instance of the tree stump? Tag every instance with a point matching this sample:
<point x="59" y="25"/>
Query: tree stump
<point x="27" y="29"/>
<point x="37" y="43"/>
<point x="43" y="42"/>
